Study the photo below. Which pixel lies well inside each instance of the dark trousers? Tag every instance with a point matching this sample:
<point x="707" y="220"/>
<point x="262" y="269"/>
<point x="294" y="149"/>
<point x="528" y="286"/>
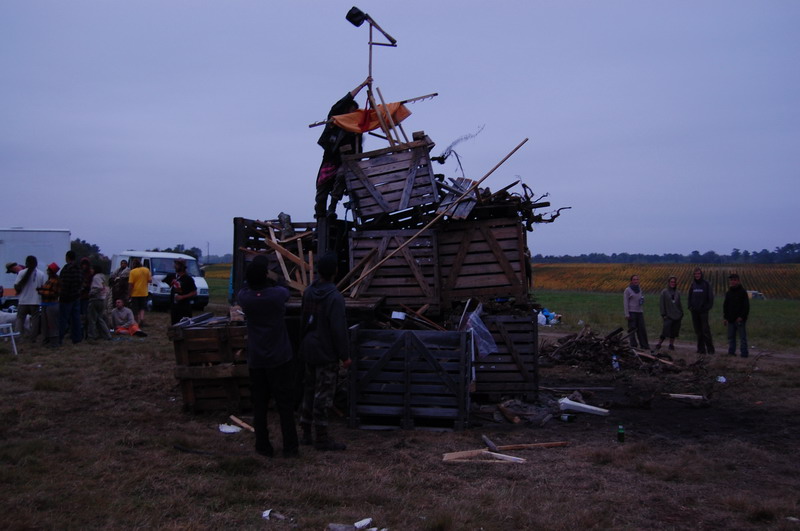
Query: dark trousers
<point x="703" y="332"/>
<point x="318" y="392"/>
<point x="179" y="311"/>
<point x="277" y="383"/>
<point x="636" y="322"/>
<point x="69" y="316"/>
<point x="735" y="328"/>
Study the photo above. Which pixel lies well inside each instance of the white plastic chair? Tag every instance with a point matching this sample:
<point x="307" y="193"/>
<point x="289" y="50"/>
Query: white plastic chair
<point x="6" y="332"/>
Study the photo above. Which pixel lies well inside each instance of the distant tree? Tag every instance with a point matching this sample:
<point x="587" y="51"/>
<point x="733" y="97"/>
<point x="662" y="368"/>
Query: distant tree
<point x="84" y="249"/>
<point x="736" y="255"/>
<point x="695" y="257"/>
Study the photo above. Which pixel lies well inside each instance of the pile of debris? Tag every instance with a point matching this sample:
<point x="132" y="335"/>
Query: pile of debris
<point x="602" y="354"/>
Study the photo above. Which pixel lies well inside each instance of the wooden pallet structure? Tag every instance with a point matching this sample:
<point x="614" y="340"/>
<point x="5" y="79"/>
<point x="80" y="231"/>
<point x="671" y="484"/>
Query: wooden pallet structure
<point x="409" y="378"/>
<point x="514" y="368"/>
<point x="385" y="183"/>
<point x="211" y="367"/>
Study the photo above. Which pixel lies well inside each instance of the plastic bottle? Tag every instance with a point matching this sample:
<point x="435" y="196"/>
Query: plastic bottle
<point x="621" y="433"/>
<point x="615" y="362"/>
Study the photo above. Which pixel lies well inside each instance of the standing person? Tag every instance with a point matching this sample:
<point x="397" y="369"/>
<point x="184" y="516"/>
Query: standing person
<point x="69" y="304"/>
<point x="269" y="357"/>
<point x="123" y="322"/>
<point x="183" y="291"/>
<point x="324" y="344"/>
<point x="633" y="304"/>
<point x="735" y="310"/>
<point x="700" y="301"/>
<point x="671" y="313"/>
<point x="138" y="280"/>
<point x="29" y="280"/>
<point x="330" y="178"/>
<point x="119" y="281"/>
<point x="96" y="312"/>
<point x="86" y="273"/>
<point x="49" y="294"/>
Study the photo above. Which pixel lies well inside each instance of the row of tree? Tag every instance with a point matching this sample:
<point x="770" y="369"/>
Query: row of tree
<point x="788" y="254"/>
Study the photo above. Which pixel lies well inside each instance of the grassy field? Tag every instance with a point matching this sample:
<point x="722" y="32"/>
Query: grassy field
<point x="93" y="436"/>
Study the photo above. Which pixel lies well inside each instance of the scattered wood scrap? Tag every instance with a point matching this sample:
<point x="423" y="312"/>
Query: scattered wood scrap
<point x="468" y="456"/>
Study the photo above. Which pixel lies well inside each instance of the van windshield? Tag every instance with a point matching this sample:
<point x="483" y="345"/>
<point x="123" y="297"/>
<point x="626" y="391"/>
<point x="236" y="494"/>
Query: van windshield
<point x="164" y="266"/>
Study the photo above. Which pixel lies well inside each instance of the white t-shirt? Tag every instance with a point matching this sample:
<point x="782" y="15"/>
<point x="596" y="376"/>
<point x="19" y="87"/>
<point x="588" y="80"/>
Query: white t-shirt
<point x="29" y="295"/>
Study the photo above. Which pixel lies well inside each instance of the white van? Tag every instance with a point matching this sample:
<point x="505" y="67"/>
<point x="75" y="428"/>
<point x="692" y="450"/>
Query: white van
<point x="160" y="265"/>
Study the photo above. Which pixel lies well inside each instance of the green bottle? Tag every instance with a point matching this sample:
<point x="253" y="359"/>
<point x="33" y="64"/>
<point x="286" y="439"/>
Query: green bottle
<point x="621" y="433"/>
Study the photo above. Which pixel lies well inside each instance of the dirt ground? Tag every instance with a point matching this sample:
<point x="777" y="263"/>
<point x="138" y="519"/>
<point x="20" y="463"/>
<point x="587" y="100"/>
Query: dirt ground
<point x="95" y="436"/>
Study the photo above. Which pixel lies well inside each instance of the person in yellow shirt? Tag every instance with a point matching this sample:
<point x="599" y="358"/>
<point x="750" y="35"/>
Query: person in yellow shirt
<point x="138" y="280"/>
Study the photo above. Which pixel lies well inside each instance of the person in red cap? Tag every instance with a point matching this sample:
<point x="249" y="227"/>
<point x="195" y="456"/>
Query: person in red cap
<point x="49" y="294"/>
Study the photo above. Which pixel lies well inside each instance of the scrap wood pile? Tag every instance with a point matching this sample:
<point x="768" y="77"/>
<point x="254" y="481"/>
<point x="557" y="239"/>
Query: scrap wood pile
<point x="603" y="354"/>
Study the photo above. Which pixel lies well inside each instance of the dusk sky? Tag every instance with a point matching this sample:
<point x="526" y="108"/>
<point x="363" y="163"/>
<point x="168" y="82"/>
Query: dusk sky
<point x="668" y="127"/>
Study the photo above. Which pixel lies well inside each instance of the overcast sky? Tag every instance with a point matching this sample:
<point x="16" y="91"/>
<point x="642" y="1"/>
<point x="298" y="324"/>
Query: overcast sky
<point x="666" y="126"/>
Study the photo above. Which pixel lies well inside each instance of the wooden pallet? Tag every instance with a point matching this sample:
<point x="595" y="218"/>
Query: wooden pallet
<point x="211" y="367"/>
<point x="409" y="278"/>
<point x="390" y="180"/>
<point x="513" y="370"/>
<point x="482" y="259"/>
<point x="409" y="379"/>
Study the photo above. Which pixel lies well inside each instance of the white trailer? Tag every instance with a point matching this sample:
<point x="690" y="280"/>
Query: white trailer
<point x="47" y="245"/>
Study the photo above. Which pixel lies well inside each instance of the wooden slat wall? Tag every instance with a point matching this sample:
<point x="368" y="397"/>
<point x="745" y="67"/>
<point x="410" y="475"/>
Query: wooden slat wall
<point x="513" y="369"/>
<point x="211" y="367"/>
<point x="410" y="277"/>
<point x="405" y="377"/>
<point x="484" y="259"/>
<point x="382" y="182"/>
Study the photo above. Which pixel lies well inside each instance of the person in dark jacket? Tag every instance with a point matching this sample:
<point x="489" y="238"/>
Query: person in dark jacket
<point x="330" y="178"/>
<point x="735" y="310"/>
<point x="69" y="304"/>
<point x="669" y="305"/>
<point x="269" y="357"/>
<point x="700" y="301"/>
<point x="183" y="290"/>
<point x="324" y="345"/>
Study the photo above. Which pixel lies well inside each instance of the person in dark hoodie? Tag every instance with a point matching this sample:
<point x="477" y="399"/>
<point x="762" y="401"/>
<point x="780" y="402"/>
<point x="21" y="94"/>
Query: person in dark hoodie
<point x="324" y="345"/>
<point x="735" y="310"/>
<point x="269" y="357"/>
<point x="669" y="305"/>
<point x="700" y="301"/>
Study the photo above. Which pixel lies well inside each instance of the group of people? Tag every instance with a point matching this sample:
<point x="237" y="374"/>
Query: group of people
<point x="272" y="363"/>
<point x="700" y="301"/>
<point x="74" y="299"/>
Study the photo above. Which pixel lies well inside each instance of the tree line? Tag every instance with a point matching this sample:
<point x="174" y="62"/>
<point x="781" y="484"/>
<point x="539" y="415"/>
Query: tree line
<point x="788" y="254"/>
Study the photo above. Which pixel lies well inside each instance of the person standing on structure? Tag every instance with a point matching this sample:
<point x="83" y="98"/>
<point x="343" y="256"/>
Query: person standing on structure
<point x="330" y="177"/>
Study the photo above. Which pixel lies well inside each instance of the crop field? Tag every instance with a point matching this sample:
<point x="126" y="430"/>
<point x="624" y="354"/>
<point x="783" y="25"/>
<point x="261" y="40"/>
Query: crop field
<point x="775" y="281"/>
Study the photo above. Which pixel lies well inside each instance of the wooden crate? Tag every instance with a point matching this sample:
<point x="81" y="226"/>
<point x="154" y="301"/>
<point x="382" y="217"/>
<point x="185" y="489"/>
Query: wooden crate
<point x="409" y="278"/>
<point x="409" y="378"/>
<point x="513" y="370"/>
<point x="390" y="180"/>
<point x="211" y="367"/>
<point x="482" y="259"/>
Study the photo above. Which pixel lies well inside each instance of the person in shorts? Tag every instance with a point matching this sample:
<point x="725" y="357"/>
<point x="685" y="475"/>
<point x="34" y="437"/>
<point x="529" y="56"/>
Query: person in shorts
<point x="138" y="280"/>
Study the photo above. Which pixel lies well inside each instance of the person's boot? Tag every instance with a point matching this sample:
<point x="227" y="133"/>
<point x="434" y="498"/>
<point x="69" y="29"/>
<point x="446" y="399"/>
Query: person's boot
<point x="324" y="441"/>
<point x="306" y="437"/>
